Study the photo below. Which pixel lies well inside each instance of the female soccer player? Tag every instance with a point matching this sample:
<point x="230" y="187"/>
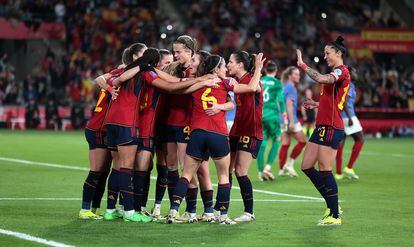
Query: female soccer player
<point x="95" y="132"/>
<point x="352" y="128"/>
<point x="143" y="106"/>
<point x="273" y="106"/>
<point x="290" y="94"/>
<point x="324" y="142"/>
<point x="209" y="135"/>
<point x="246" y="133"/>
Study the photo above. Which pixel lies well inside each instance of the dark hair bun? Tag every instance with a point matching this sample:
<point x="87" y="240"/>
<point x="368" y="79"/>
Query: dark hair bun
<point x="339" y="40"/>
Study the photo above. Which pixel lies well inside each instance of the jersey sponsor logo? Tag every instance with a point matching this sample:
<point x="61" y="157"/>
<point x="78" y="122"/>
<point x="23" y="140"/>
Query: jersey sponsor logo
<point x="153" y="74"/>
<point x="338" y="72"/>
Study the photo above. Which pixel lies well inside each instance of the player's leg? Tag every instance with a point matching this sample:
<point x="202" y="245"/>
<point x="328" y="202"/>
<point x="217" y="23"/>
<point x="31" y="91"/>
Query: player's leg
<point x="297" y="149"/>
<point x="326" y="157"/>
<point x="283" y="153"/>
<point x="171" y="159"/>
<point x="339" y="175"/>
<point x="274" y="135"/>
<point x="206" y="189"/>
<point x="141" y="170"/>
<point x="223" y="190"/>
<point x="356" y="149"/>
<point x="97" y="159"/>
<point x="181" y="188"/>
<point x="260" y="156"/>
<point x="233" y="143"/>
<point x="100" y="189"/>
<point x="161" y="184"/>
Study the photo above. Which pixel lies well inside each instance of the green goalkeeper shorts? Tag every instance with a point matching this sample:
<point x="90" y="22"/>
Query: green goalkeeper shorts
<point x="271" y="128"/>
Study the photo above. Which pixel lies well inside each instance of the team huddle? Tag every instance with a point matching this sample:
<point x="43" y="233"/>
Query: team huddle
<point x="174" y="106"/>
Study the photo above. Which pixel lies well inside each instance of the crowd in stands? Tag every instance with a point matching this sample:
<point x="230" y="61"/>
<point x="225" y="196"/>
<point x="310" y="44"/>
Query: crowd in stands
<point x="98" y="30"/>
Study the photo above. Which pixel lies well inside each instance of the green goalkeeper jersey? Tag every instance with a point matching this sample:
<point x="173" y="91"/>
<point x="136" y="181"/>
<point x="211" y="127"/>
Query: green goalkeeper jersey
<point x="273" y="102"/>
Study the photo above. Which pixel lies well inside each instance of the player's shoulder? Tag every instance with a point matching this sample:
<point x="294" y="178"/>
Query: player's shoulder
<point x="341" y="70"/>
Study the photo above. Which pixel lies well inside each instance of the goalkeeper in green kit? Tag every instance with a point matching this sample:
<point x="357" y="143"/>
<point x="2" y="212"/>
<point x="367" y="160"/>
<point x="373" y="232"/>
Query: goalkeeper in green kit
<point x="273" y="107"/>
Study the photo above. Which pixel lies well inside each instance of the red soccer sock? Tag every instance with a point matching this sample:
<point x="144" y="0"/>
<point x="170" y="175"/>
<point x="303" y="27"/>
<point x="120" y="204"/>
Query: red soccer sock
<point x="339" y="159"/>
<point x="297" y="150"/>
<point x="283" y="155"/>
<point x="356" y="149"/>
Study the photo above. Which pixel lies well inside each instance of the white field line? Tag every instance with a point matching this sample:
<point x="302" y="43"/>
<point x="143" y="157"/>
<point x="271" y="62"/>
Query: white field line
<point x="28" y="162"/>
<point x="33" y="239"/>
<point x="396" y="155"/>
<point x="150" y="199"/>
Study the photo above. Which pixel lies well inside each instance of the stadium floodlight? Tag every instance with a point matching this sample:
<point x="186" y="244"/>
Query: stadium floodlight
<point x="257" y="35"/>
<point x="323" y="15"/>
<point x="316" y="59"/>
<point x="163" y="36"/>
<point x="169" y="27"/>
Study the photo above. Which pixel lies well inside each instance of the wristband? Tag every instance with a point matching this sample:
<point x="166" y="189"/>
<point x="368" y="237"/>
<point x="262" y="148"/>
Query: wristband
<point x="103" y="78"/>
<point x="304" y="66"/>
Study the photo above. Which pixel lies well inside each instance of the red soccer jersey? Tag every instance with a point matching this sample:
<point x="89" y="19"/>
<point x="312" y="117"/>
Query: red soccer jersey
<point x="124" y="109"/>
<point x="148" y="106"/>
<point x="332" y="98"/>
<point x="178" y="107"/>
<point x="202" y="99"/>
<point x="96" y="121"/>
<point x="248" y="119"/>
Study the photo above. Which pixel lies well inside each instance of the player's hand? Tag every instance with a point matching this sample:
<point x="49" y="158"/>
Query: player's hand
<point x="115" y="92"/>
<point x="212" y="82"/>
<point x="291" y="127"/>
<point x="214" y="109"/>
<point x="310" y="104"/>
<point x="232" y="81"/>
<point x="259" y="61"/>
<point x="350" y="122"/>
<point x="299" y="55"/>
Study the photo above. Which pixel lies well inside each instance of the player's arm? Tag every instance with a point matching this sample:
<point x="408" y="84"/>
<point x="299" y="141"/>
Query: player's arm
<point x="127" y="75"/>
<point x="315" y="75"/>
<point x="196" y="86"/>
<point x="102" y="82"/>
<point x="173" y="87"/>
<point x="347" y="113"/>
<point x="216" y="108"/>
<point x="165" y="76"/>
<point x="310" y="104"/>
<point x="254" y="84"/>
<point x="282" y="105"/>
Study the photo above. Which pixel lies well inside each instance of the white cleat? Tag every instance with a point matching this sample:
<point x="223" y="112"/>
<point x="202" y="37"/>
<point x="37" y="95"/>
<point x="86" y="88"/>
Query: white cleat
<point x="172" y="216"/>
<point x="225" y="220"/>
<point x="245" y="217"/>
<point x="289" y="167"/>
<point x="156" y="211"/>
<point x="217" y="215"/>
<point x="207" y="217"/>
<point x="268" y="173"/>
<point x="187" y="218"/>
<point x="283" y="173"/>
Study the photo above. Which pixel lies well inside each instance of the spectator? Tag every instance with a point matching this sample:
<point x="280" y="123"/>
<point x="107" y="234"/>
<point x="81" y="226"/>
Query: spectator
<point x="53" y="120"/>
<point x="32" y="114"/>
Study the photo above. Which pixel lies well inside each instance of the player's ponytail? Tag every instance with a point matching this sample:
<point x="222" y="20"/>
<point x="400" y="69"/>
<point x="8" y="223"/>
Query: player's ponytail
<point x="247" y="59"/>
<point x="271" y="67"/>
<point x="203" y="56"/>
<point x="338" y="45"/>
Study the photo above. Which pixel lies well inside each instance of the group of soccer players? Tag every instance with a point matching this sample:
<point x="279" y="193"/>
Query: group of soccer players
<point x="174" y="105"/>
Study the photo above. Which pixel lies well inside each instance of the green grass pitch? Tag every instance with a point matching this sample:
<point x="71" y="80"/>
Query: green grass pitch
<point x="379" y="208"/>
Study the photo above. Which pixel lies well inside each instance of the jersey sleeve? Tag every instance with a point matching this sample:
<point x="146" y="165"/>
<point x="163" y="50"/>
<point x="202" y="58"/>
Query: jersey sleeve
<point x="290" y="92"/>
<point x="227" y="86"/>
<point x="339" y="74"/>
<point x="149" y="76"/>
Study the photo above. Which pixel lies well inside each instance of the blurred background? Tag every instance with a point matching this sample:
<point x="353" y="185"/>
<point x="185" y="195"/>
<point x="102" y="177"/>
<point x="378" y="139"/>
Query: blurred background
<point x="50" y="51"/>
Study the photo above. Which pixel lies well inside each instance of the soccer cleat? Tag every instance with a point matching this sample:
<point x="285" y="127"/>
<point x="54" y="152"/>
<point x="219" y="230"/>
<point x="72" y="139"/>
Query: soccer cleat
<point x="135" y="217"/>
<point x="88" y="215"/>
<point x="328" y="212"/>
<point x="339" y="176"/>
<point x="172" y="216"/>
<point x="225" y="220"/>
<point x="97" y="211"/>
<point x="330" y="221"/>
<point x="187" y="218"/>
<point x="112" y="216"/>
<point x="268" y="173"/>
<point x="145" y="217"/>
<point x="262" y="177"/>
<point x="207" y="217"/>
<point x="289" y="168"/>
<point x="350" y="173"/>
<point x="283" y="173"/>
<point x="156" y="211"/>
<point x="245" y="217"/>
<point x="216" y="214"/>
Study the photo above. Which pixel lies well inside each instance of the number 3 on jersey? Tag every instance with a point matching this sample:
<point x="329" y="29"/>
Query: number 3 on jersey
<point x="207" y="99"/>
<point x="102" y="95"/>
